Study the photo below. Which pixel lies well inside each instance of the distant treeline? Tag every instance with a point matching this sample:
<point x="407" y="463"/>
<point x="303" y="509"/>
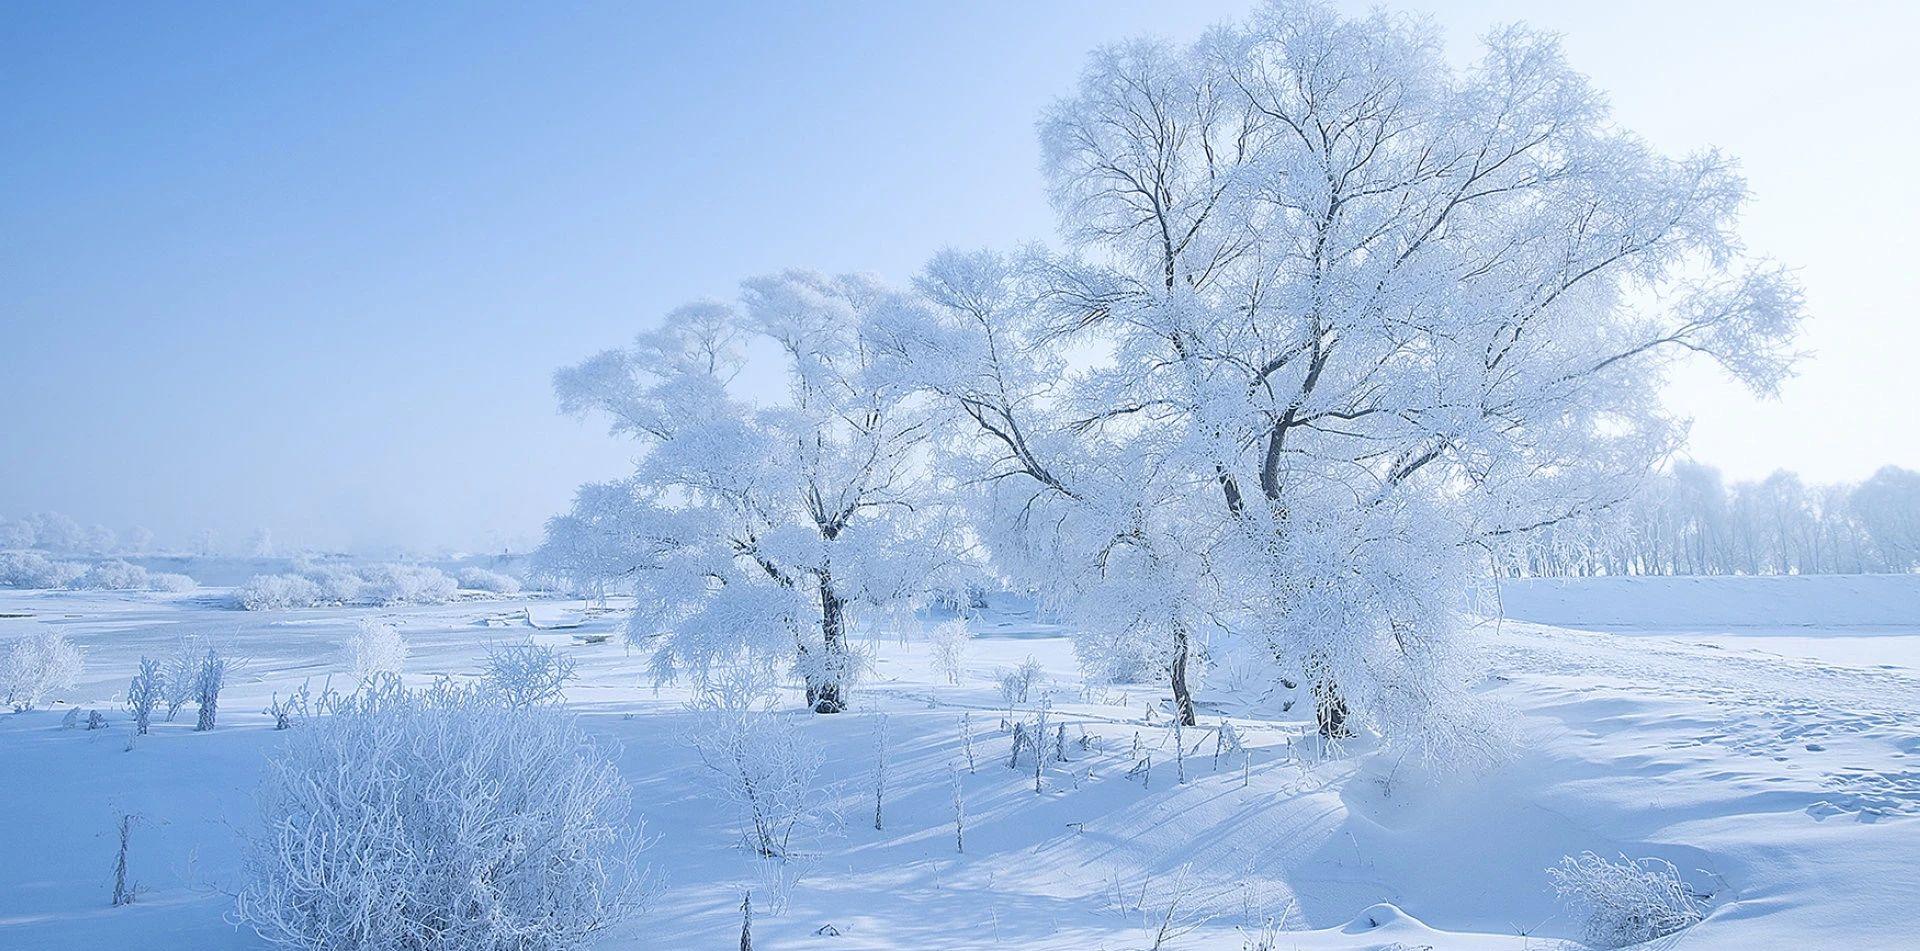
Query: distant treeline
<point x="1691" y="522"/>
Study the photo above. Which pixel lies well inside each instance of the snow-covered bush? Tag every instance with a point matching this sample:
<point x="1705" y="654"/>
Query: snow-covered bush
<point x="117" y="575"/>
<point x="949" y="641"/>
<point x="527" y="674"/>
<point x="114" y="575"/>
<point x="481" y="579"/>
<point x="439" y="820"/>
<point x="335" y="584"/>
<point x="170" y="581"/>
<point x="316" y="584"/>
<point x="375" y="647"/>
<point x="36" y="665"/>
<point x="277" y="593"/>
<point x="407" y="584"/>
<point x="1626" y="902"/>
<point x="764" y="767"/>
<point x="30" y="569"/>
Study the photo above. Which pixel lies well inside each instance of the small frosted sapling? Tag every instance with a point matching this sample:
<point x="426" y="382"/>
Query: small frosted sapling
<point x="949" y="641"/>
<point x="966" y="737"/>
<point x="180" y="676"/>
<point x="879" y="771"/>
<point x="959" y="811"/>
<point x="1179" y="751"/>
<point x="144" y="693"/>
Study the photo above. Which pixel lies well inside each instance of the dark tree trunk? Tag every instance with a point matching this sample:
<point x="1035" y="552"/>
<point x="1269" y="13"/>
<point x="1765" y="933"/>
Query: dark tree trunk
<point x="1330" y="709"/>
<point x="824" y="686"/>
<point x="1182" y="697"/>
<point x="746" y="923"/>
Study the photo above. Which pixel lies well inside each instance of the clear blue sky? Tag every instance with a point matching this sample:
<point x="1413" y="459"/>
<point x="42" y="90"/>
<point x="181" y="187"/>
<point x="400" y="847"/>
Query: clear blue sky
<point x="310" y="267"/>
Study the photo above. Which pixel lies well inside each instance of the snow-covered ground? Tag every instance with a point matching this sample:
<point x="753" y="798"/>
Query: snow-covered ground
<point x="1772" y="756"/>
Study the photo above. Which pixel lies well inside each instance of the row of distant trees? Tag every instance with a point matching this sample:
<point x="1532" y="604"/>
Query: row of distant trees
<point x="61" y="534"/>
<point x="1690" y="521"/>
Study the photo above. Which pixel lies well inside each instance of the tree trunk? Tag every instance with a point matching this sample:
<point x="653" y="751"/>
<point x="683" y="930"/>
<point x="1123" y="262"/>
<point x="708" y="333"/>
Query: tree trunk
<point x="1182" y="697"/>
<point x="1330" y="709"/>
<point x="824" y="686"/>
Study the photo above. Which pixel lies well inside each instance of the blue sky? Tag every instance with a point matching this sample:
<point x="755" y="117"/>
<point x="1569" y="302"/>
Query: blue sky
<point x="310" y="267"/>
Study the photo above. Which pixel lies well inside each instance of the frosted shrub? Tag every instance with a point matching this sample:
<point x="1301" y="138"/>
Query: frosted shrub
<point x="30" y="569"/>
<point x="113" y="576"/>
<point x="950" y="641"/>
<point x="36" y="665"/>
<point x="1626" y="902"/>
<point x="336" y="584"/>
<point x="340" y="584"/>
<point x="277" y="593"/>
<point x="180" y="674"/>
<point x="527" y="674"/>
<point x="763" y="766"/>
<point x="439" y="820"/>
<point x="169" y="581"/>
<point x="407" y="584"/>
<point x="208" y="681"/>
<point x="480" y="579"/>
<point x="119" y="575"/>
<point x="375" y="647"/>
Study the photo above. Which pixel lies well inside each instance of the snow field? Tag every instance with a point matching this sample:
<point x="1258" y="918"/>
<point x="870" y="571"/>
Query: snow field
<point x="1786" y="788"/>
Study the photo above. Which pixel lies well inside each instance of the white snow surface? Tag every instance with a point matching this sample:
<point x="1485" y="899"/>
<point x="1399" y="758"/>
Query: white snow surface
<point x="1784" y="782"/>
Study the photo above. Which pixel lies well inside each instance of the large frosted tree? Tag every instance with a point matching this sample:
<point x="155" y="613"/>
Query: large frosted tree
<point x="762" y="527"/>
<point x="1337" y="320"/>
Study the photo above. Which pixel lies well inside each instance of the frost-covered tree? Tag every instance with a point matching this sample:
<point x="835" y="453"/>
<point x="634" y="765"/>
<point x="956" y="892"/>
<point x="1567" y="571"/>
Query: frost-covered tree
<point x="1888" y="506"/>
<point x="16" y="533"/>
<point x="1687" y="521"/>
<point x="56" y="532"/>
<point x="759" y="528"/>
<point x="1338" y="318"/>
